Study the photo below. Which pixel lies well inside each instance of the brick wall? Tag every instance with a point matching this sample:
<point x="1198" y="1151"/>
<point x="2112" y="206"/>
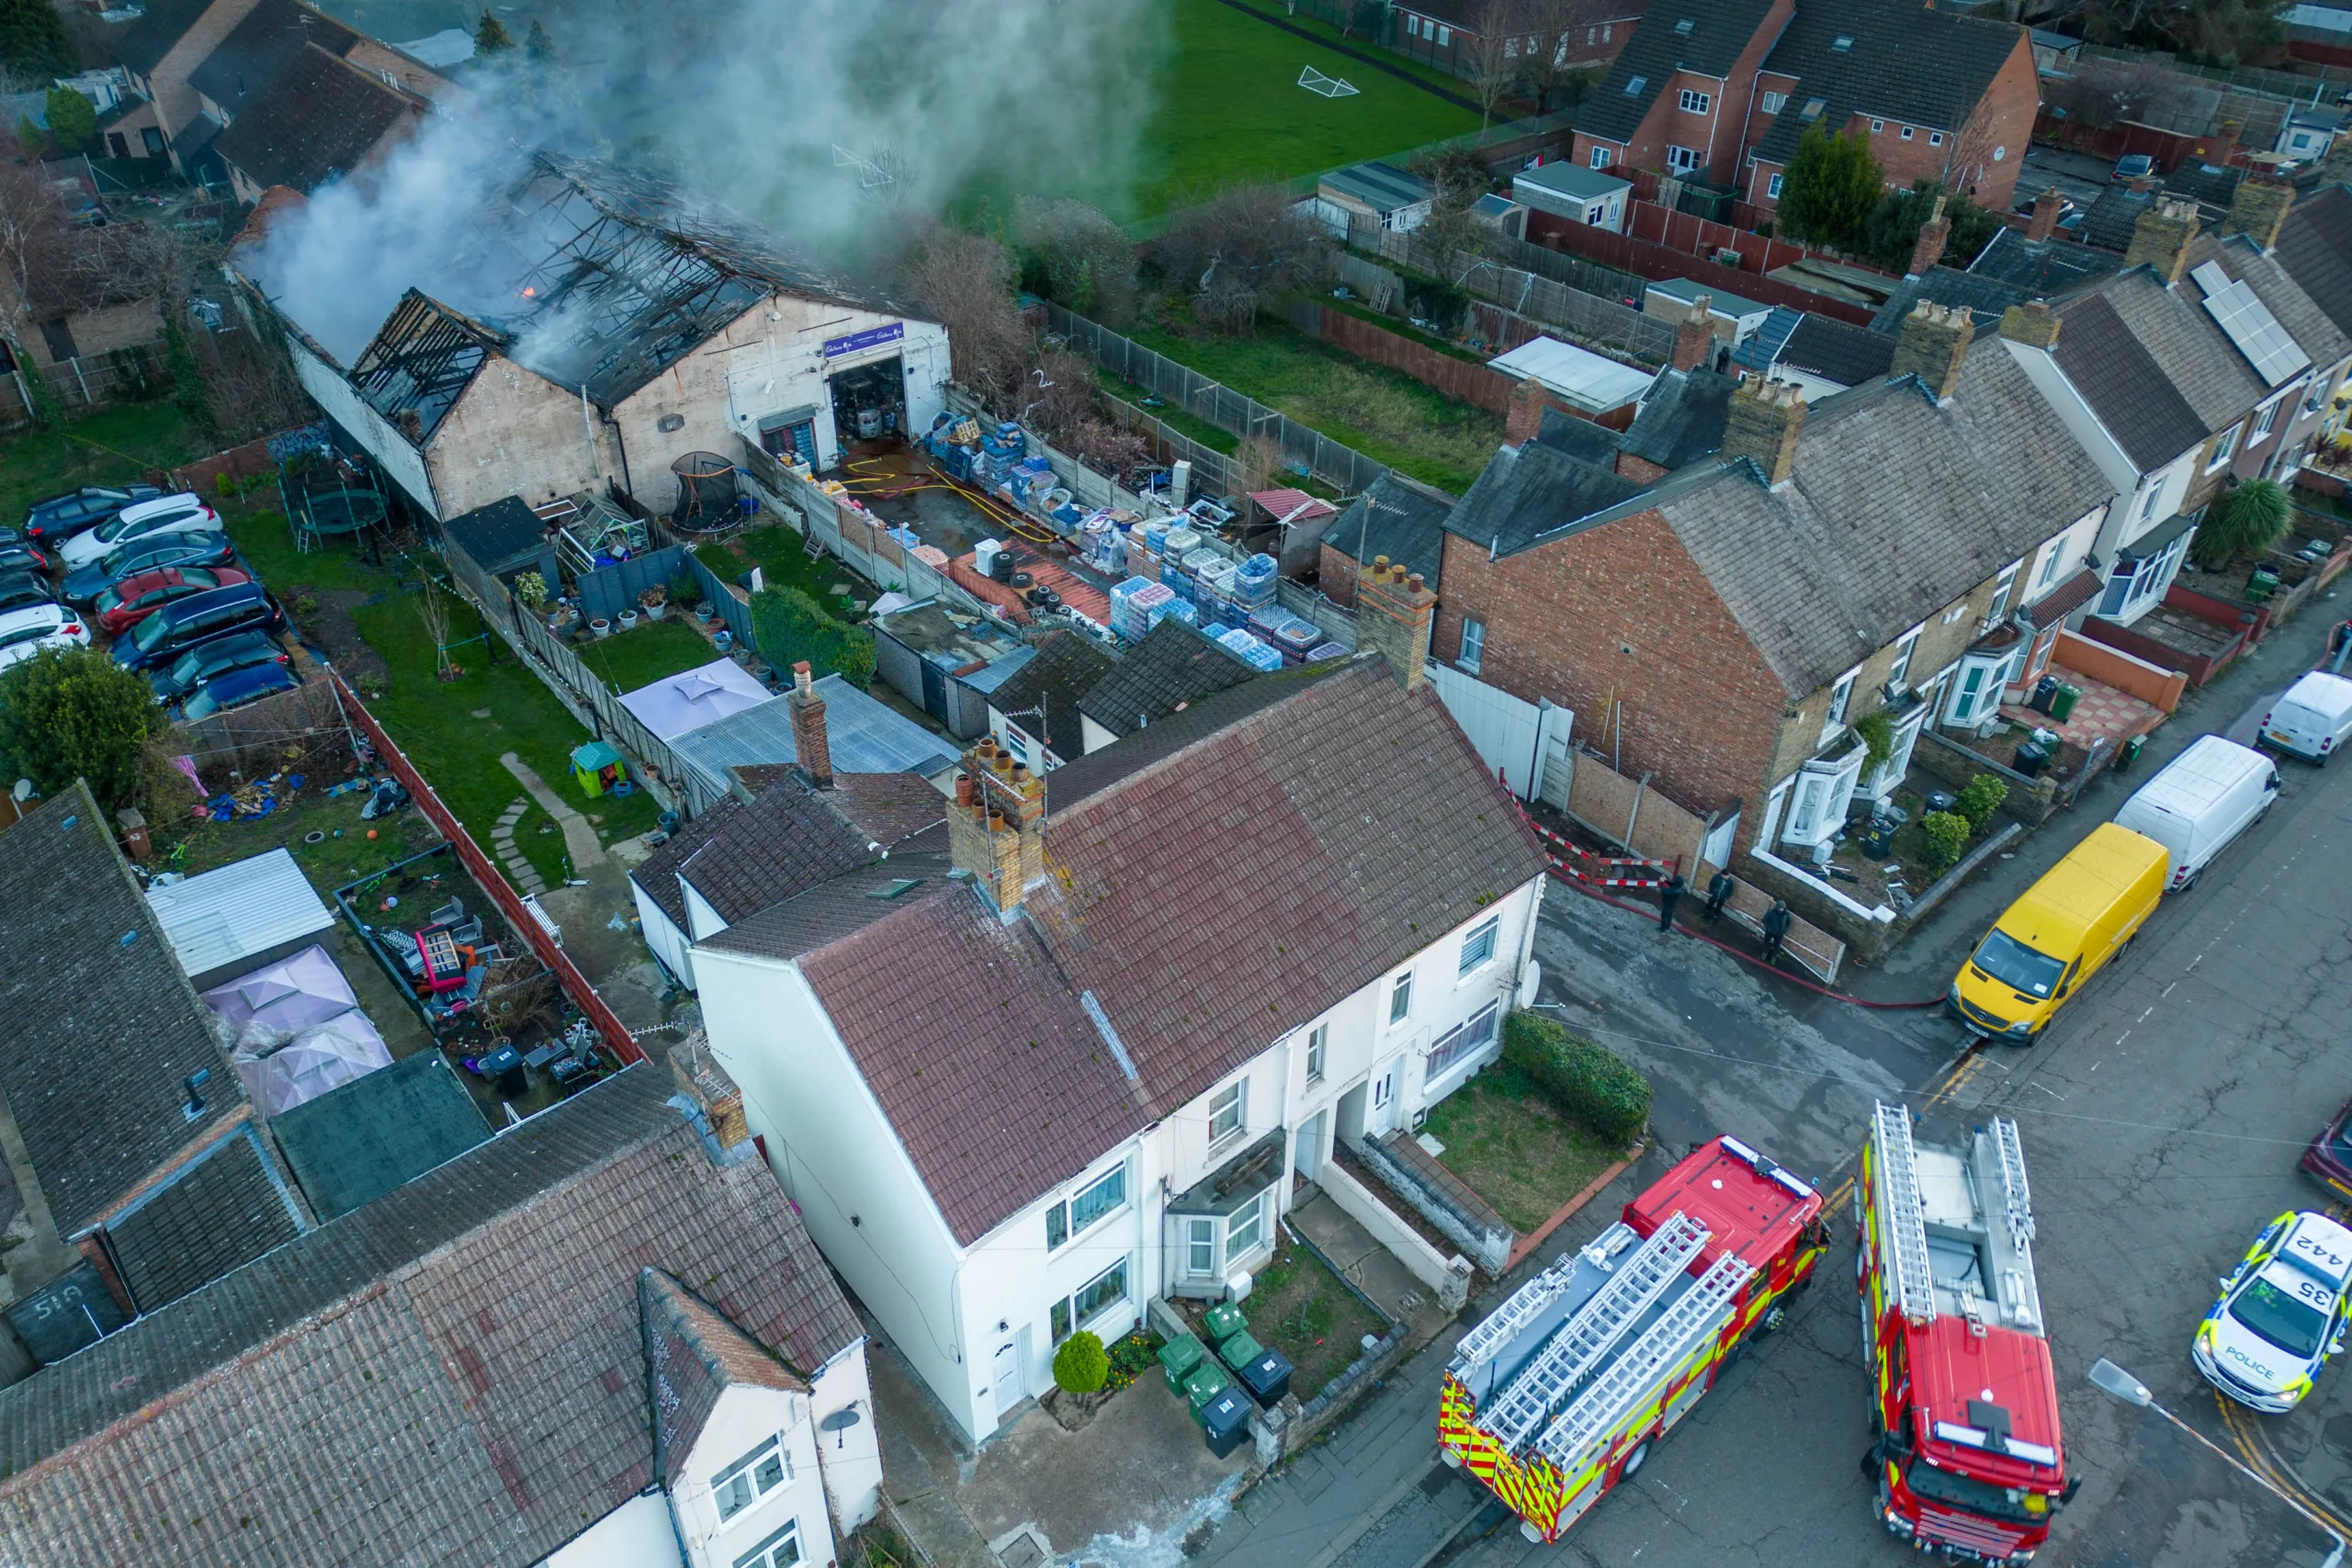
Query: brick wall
<point x="1458" y="378"/>
<point x="2148" y="682"/>
<point x="1697" y="709"/>
<point x="1717" y="133"/>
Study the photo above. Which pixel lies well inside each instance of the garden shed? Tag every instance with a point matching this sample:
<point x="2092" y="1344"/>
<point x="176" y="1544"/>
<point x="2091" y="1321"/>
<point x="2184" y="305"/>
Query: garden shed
<point x="505" y="539"/>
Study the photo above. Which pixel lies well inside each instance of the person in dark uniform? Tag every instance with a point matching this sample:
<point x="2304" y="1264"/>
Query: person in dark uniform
<point x="1719" y="890"/>
<point x="1670" y="893"/>
<point x="1777" y="920"/>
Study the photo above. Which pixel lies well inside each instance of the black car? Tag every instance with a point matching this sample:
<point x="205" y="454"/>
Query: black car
<point x="210" y="661"/>
<point x="163" y="637"/>
<point x="21" y="589"/>
<point x="84" y="584"/>
<point x="15" y="557"/>
<point x="63" y="516"/>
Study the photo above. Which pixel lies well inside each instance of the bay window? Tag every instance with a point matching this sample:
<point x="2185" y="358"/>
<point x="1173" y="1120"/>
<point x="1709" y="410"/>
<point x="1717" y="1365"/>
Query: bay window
<point x="1821" y="792"/>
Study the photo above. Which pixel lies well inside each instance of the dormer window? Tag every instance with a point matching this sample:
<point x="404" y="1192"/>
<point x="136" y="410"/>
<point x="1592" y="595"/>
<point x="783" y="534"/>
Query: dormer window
<point x="751" y="1478"/>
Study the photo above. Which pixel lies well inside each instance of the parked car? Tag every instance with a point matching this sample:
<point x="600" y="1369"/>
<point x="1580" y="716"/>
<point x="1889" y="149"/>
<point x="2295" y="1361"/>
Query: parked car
<point x="2312" y="719"/>
<point x="2138" y="166"/>
<point x="2328" y="1161"/>
<point x="27" y="632"/>
<point x="210" y="661"/>
<point x="136" y="597"/>
<point x="2281" y="1313"/>
<point x="161" y="637"/>
<point x="16" y="556"/>
<point x="238" y="688"/>
<point x="171" y="515"/>
<point x="202" y="548"/>
<point x="18" y="589"/>
<point x="59" y="517"/>
<point x="2203" y="800"/>
<point x="2060" y="932"/>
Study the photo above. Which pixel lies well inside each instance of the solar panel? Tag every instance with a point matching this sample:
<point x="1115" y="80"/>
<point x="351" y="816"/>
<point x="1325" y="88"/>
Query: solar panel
<point x="2249" y="323"/>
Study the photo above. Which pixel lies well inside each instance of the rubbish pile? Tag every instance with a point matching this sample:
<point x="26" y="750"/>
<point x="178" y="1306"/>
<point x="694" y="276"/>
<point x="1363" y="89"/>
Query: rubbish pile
<point x="251" y="800"/>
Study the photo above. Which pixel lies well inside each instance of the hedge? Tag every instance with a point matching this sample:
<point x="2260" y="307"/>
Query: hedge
<point x="789" y="625"/>
<point x="1586" y="1082"/>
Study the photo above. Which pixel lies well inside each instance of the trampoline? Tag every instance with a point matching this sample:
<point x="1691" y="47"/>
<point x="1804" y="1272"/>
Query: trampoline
<point x="708" y="490"/>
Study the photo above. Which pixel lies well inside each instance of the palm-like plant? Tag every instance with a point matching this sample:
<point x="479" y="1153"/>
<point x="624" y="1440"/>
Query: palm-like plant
<point x="2246" y="520"/>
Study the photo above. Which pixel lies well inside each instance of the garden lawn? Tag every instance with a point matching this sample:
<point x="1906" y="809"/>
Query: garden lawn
<point x="1228" y="108"/>
<point x="458" y="753"/>
<point x="266" y="539"/>
<point x="1300" y="1308"/>
<point x="648" y="651"/>
<point x="1383" y="414"/>
<point x="783" y="561"/>
<point x="113" y="445"/>
<point x="1511" y="1147"/>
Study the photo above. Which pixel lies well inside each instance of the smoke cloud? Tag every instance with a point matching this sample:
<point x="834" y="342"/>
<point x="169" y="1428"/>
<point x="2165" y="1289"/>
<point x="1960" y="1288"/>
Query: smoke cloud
<point x="940" y="106"/>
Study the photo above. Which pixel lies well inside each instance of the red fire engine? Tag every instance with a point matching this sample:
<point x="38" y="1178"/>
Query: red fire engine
<point x="1968" y="1459"/>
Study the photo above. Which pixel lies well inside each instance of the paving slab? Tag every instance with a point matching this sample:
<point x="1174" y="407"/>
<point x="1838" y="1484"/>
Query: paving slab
<point x="579" y="833"/>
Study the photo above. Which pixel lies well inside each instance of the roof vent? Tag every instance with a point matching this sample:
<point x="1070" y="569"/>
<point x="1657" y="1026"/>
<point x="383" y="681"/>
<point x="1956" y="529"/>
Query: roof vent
<point x="195" y="1106"/>
<point x="1842" y="43"/>
<point x="1635" y="84"/>
<point x="1683" y="27"/>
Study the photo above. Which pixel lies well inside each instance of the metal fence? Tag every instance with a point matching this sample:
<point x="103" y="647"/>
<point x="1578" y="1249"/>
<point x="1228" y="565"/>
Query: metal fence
<point x="1562" y="296"/>
<point x="119" y="375"/>
<point x="609" y="589"/>
<point x="1344" y="468"/>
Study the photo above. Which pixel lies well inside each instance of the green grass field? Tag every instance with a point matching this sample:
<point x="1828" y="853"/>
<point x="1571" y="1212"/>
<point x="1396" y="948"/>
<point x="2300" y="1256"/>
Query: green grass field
<point x="111" y="447"/>
<point x="1229" y="109"/>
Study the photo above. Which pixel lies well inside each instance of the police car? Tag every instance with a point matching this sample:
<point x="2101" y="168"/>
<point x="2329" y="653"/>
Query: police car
<point x="2281" y="1314"/>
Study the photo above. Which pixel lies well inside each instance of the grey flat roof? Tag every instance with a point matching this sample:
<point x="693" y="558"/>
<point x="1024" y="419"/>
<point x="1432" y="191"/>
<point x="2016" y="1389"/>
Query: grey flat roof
<point x="1726" y="303"/>
<point x="1571" y="179"/>
<point x="863" y="735"/>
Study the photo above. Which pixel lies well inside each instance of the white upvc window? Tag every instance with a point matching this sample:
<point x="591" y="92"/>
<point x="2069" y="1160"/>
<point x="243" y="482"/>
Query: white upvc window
<point x="1841" y="697"/>
<point x="1600" y="157"/>
<point x="1228" y="1112"/>
<point x="1400" y="998"/>
<point x="1877" y="126"/>
<point x="1775" y="102"/>
<point x="1682" y="160"/>
<point x="1318" y="1043"/>
<point x="2002" y="587"/>
<point x="751" y="1478"/>
<point x="2265" y="418"/>
<point x="2225" y="448"/>
<point x="2052" y="554"/>
<point x="1772" y="187"/>
<point x="1696" y="103"/>
<point x="1474" y="1034"/>
<point x="1089" y="1302"/>
<point x="1097" y="1201"/>
<point x="1444" y="37"/>
<point x="1200" y="1247"/>
<point x="1474" y="638"/>
<point x="1977" y="692"/>
<point x="1510" y="47"/>
<point x="1907" y="134"/>
<point x="1245" y="1228"/>
<point x="1479" y="947"/>
<point x="781" y="1549"/>
<point x="1905" y="646"/>
<point x="1935" y="138"/>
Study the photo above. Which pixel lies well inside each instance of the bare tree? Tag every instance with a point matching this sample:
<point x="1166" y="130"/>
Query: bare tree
<point x="964" y="281"/>
<point x="1552" y="24"/>
<point x="1088" y="261"/>
<point x="1491" y="43"/>
<point x="1239" y="252"/>
<point x="1256" y="460"/>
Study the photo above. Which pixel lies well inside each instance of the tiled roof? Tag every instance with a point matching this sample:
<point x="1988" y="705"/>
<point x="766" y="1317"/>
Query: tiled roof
<point x="1067" y="667"/>
<point x="1824" y="570"/>
<point x="1532" y="490"/>
<point x="359" y="1141"/>
<point x="838" y="909"/>
<point x="319" y="118"/>
<point x="1719" y="31"/>
<point x="1565" y="432"/>
<point x="98" y="1038"/>
<point x="452" y="1373"/>
<point x="1174" y="664"/>
<point x="693" y="1355"/>
<point x="2045" y="267"/>
<point x="2066" y="598"/>
<point x="156" y="33"/>
<point x="2153" y="366"/>
<point x="1905" y="63"/>
<point x="1681" y="418"/>
<point x="1835" y="351"/>
<point x="2293" y="306"/>
<point x="744" y="857"/>
<point x="226" y="1210"/>
<point x="1400" y="518"/>
<point x="244" y="66"/>
<point x="888" y="808"/>
<point x="2315" y="247"/>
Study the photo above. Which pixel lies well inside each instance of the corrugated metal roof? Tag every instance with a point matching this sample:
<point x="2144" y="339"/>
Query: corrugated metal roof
<point x="216" y="917"/>
<point x="862" y="736"/>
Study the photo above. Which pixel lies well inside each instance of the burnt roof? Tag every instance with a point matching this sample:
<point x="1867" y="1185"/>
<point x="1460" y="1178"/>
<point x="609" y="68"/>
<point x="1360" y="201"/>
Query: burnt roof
<point x="100" y="1036"/>
<point x="1067" y="666"/>
<point x="1904" y="62"/>
<point x="318" y="117"/>
<point x="1719" y="31"/>
<point x="1173" y="665"/>
<point x="421" y="363"/>
<point x="463" y="1358"/>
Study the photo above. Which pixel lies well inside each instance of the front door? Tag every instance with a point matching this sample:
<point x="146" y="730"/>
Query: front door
<point x="1383" y="1115"/>
<point x="1011" y="1377"/>
<point x="1309" y="1157"/>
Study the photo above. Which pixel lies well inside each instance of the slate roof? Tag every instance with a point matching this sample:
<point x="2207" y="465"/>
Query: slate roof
<point x="2315" y="247"/>
<point x="452" y="1373"/>
<point x="1825" y="570"/>
<point x="1213" y="882"/>
<point x="1720" y="30"/>
<point x="320" y="118"/>
<point x="1984" y="298"/>
<point x="245" y="65"/>
<point x="693" y="1354"/>
<point x="223" y="1211"/>
<point x="98" y="1037"/>
<point x="1564" y="432"/>
<point x="1402" y="519"/>
<point x="1907" y="64"/>
<point x="1681" y="418"/>
<point x="1838" y="352"/>
<point x="1530" y="490"/>
<point x="2108" y="221"/>
<point x="2044" y="267"/>
<point x="2153" y="366"/>
<point x="743" y="856"/>
<point x="1172" y="665"/>
<point x="1067" y="667"/>
<point x="2293" y="306"/>
<point x="156" y="34"/>
<point x="359" y="1139"/>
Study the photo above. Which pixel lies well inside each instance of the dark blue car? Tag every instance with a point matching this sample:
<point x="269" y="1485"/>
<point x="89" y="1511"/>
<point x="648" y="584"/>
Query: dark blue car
<point x="83" y="585"/>
<point x="161" y="637"/>
<point x="61" y="516"/>
<point x="209" y="661"/>
<point x="238" y="688"/>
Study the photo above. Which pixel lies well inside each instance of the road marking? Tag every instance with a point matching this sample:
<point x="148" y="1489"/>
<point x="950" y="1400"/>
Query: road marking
<point x="2252" y="1440"/>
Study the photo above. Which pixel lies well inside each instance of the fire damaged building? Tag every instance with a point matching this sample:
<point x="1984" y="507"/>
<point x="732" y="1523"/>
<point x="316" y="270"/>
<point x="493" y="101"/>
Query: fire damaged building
<point x="594" y="328"/>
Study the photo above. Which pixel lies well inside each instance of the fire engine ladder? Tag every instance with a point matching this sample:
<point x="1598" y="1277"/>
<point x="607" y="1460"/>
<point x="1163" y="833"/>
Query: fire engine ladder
<point x="1598" y="1324"/>
<point x="1904" y="1224"/>
<point x="2017" y="1198"/>
<point x="1599" y="1410"/>
<point x="1507" y="1319"/>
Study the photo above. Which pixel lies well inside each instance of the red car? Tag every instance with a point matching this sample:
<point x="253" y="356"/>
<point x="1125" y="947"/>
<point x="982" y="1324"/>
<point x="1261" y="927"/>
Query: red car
<point x="2328" y="1161"/>
<point x="135" y="598"/>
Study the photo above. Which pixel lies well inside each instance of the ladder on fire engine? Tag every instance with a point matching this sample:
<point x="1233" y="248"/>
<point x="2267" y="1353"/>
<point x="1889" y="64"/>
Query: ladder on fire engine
<point x="2017" y="1198"/>
<point x="1598" y="1411"/>
<point x="1505" y="1321"/>
<point x="1569" y="1359"/>
<point x="1904" y="1224"/>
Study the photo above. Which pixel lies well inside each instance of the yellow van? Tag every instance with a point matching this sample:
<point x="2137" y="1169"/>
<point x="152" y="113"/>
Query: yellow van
<point x="2060" y="933"/>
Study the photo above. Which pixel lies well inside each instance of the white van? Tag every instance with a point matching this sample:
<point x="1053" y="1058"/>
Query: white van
<point x="2311" y="720"/>
<point x="2203" y="800"/>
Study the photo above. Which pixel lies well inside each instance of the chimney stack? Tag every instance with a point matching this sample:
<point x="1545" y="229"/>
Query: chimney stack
<point x="1764" y="423"/>
<point x="808" y="742"/>
<point x="2259" y="209"/>
<point x="2032" y="324"/>
<point x="1694" y="335"/>
<point x="996" y="829"/>
<point x="1933" y="344"/>
<point x="1524" y="418"/>
<point x="2046" y="208"/>
<point x="1928" y="248"/>
<point x="1394" y="609"/>
<point x="2162" y="236"/>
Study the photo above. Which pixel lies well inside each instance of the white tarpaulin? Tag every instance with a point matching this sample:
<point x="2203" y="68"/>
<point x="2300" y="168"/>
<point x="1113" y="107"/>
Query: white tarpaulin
<point x="700" y="696"/>
<point x="298" y="1031"/>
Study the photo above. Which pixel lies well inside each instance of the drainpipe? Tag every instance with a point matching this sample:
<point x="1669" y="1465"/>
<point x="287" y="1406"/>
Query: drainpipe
<point x="620" y="445"/>
<point x="1290" y="1133"/>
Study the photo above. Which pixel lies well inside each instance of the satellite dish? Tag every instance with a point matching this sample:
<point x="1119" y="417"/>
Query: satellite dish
<point x="839" y="1422"/>
<point x="23" y="792"/>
